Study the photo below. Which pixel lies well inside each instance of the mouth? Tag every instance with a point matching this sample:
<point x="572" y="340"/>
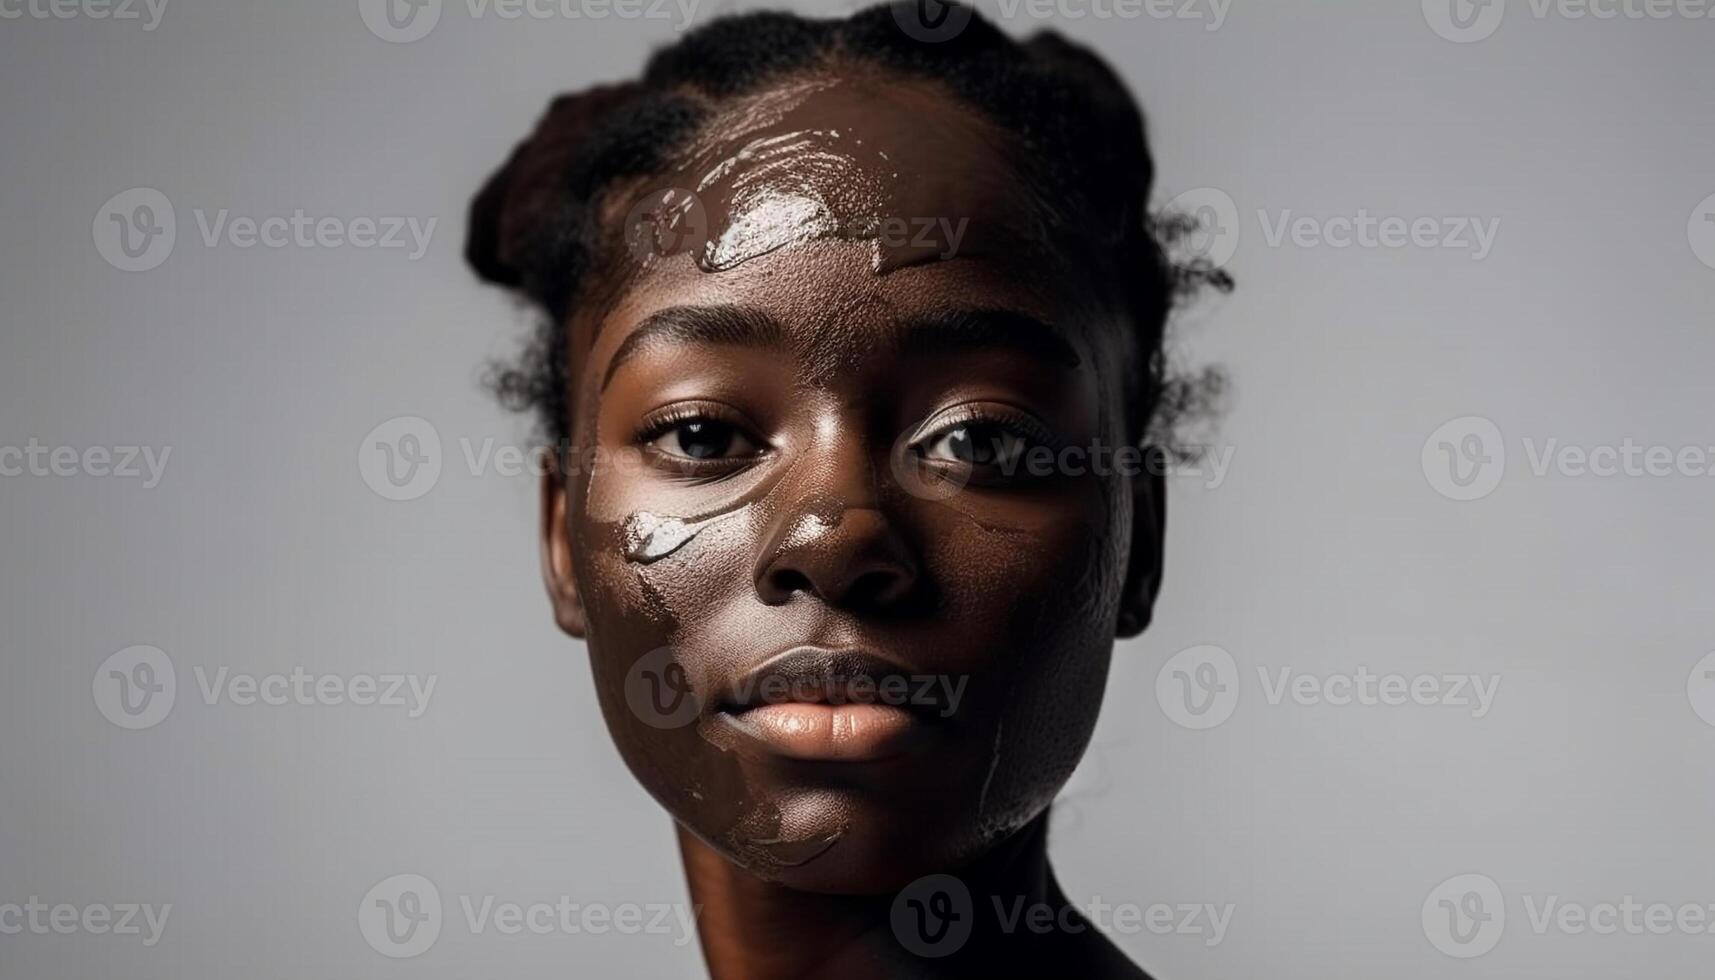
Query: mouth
<point x="817" y="705"/>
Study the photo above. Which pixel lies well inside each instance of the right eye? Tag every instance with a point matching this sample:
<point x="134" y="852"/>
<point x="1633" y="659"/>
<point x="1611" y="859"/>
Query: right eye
<point x="701" y="438"/>
<point x="977" y="444"/>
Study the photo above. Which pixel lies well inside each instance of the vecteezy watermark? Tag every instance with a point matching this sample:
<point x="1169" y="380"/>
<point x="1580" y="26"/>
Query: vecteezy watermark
<point x="934" y="20"/>
<point x="1205" y="463"/>
<point x="1214" y="215"/>
<point x="402" y="916"/>
<point x="660" y="693"/>
<point x="149" y="12"/>
<point x="1465" y="458"/>
<point x="137" y="687"/>
<point x="404" y="21"/>
<point x="146" y="463"/>
<point x="37" y="918"/>
<point x="935" y="915"/>
<point x="1466" y="915"/>
<point x="667" y="221"/>
<point x="1198" y="688"/>
<point x="1475" y="692"/>
<point x="1700" y="688"/>
<point x="400" y="459"/>
<point x="136" y="230"/>
<point x="1217" y="230"/>
<point x="1454" y="233"/>
<point x="1700" y="231"/>
<point x="1465" y="21"/>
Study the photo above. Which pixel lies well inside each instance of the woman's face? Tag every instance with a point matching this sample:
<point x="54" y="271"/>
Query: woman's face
<point x="848" y="613"/>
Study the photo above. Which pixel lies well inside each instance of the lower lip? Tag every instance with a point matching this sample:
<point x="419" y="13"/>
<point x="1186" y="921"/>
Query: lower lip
<point x="828" y="732"/>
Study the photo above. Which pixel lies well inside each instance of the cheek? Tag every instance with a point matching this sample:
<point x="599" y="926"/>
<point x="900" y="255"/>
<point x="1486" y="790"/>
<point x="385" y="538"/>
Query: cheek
<point x="656" y="587"/>
<point x="1032" y="597"/>
<point x="1048" y="564"/>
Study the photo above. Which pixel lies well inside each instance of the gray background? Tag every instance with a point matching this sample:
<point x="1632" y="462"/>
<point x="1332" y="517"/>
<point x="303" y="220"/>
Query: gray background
<point x="1326" y="548"/>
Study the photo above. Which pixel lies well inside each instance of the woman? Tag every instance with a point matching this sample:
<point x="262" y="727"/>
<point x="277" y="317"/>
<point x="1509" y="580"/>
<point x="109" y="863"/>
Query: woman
<point x="838" y="328"/>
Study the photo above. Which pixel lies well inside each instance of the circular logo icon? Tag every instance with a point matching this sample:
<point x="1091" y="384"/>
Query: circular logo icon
<point x="401" y="916"/>
<point x="400" y="21"/>
<point x="1464" y="21"/>
<point x="931" y="21"/>
<point x="135" y="687"/>
<point x="659" y="691"/>
<point x="933" y="916"/>
<point x="1198" y="687"/>
<point x="135" y="230"/>
<point x="1700" y="689"/>
<point x="1700" y="231"/>
<point x="665" y="222"/>
<point x="1216" y="236"/>
<point x="400" y="459"/>
<point x="922" y="478"/>
<point x="1465" y="458"/>
<point x="1464" y="915"/>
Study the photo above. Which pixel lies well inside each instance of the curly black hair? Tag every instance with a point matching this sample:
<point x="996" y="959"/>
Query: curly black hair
<point x="536" y="227"/>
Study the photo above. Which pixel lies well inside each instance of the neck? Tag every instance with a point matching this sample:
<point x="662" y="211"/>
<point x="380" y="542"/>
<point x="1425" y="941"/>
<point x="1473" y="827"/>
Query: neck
<point x="754" y="929"/>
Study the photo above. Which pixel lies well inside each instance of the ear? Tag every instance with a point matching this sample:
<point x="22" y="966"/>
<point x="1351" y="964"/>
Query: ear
<point x="557" y="572"/>
<point x="1148" y="533"/>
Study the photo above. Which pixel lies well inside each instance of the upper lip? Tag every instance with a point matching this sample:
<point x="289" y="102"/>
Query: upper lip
<point x="813" y="675"/>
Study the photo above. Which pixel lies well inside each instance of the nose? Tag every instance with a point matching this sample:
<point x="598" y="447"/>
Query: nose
<point x="848" y="557"/>
<point x="831" y="537"/>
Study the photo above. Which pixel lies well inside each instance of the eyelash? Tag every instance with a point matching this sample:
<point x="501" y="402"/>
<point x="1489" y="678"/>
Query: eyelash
<point x="665" y="420"/>
<point x="1014" y="421"/>
<point x="662" y="421"/>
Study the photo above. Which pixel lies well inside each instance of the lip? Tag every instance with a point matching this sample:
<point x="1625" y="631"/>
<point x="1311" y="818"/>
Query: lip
<point x="818" y="705"/>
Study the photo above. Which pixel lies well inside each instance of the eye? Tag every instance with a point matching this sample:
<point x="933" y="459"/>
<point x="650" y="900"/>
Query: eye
<point x="701" y="438"/>
<point x="977" y="444"/>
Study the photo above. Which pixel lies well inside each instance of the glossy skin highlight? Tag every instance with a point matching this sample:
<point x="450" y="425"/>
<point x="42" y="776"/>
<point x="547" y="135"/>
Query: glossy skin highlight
<point x="766" y="425"/>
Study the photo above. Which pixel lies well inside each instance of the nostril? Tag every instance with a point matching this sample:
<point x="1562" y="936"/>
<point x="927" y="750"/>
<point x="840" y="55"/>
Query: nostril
<point x="853" y="557"/>
<point x="878" y="587"/>
<point x="780" y="583"/>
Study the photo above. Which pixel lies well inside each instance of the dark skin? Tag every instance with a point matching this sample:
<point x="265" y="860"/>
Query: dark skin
<point x="801" y="446"/>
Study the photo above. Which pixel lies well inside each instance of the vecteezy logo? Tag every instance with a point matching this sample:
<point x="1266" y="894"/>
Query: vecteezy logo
<point x="401" y="916"/>
<point x="1700" y="231"/>
<point x="1198" y="687"/>
<point x="400" y="21"/>
<point x="400" y="459"/>
<point x="135" y="230"/>
<point x="1465" y="915"/>
<point x="1464" y="21"/>
<point x="659" y="691"/>
<point x="922" y="478"/>
<point x="665" y="222"/>
<point x="1216" y="236"/>
<point x="135" y="687"/>
<point x="1700" y="688"/>
<point x="1465" y="458"/>
<point x="933" y="916"/>
<point x="931" y="21"/>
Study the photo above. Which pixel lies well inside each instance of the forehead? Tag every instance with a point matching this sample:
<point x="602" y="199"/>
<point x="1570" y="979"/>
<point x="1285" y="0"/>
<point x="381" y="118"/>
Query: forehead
<point x="841" y="203"/>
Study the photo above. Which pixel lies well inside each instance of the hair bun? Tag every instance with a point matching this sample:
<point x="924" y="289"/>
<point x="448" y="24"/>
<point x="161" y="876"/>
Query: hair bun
<point x="508" y="214"/>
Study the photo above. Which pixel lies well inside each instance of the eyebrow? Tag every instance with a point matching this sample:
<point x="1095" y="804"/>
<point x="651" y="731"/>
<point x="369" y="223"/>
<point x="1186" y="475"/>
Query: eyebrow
<point x="956" y="331"/>
<point x="733" y="326"/>
<point x="952" y="331"/>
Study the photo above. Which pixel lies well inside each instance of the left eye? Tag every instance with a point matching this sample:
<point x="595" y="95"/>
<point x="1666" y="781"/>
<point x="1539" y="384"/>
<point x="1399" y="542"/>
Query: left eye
<point x="704" y="439"/>
<point x="976" y="444"/>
